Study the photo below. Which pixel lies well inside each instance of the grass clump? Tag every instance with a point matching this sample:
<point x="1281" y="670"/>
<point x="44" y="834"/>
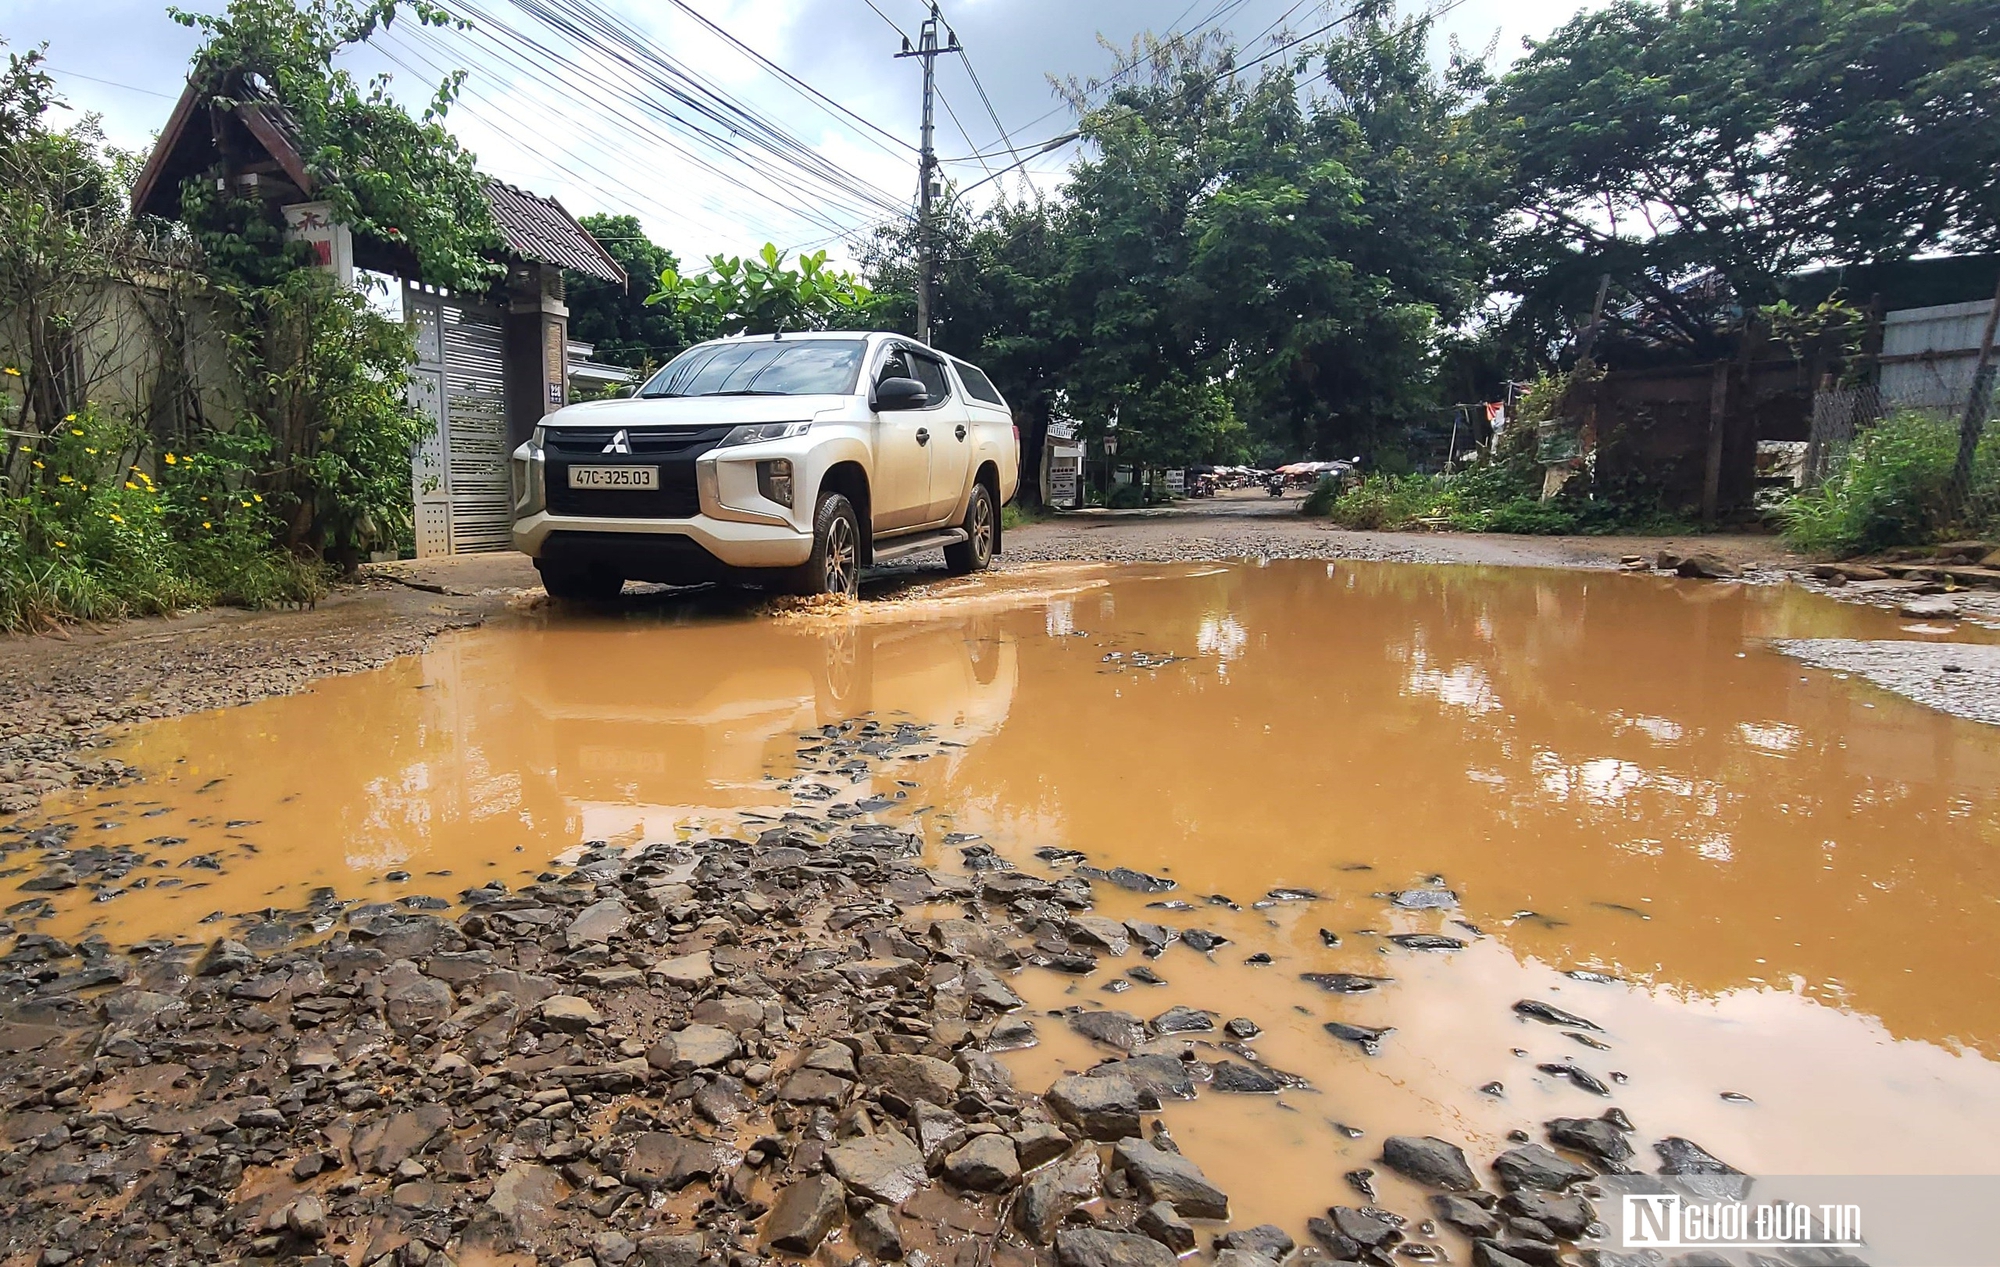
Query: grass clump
<point x="88" y="534"/>
<point x="1894" y="488"/>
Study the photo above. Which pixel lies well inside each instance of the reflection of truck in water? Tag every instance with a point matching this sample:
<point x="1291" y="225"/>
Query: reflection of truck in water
<point x="635" y="742"/>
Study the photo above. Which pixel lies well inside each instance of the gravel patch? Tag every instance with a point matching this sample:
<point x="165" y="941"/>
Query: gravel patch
<point x="1959" y="678"/>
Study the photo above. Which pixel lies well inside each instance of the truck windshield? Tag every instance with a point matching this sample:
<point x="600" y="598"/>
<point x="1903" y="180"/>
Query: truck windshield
<point x="803" y="367"/>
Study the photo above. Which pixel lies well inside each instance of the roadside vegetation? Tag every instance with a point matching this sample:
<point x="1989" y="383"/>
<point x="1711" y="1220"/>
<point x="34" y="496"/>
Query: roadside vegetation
<point x="1897" y="486"/>
<point x="259" y="466"/>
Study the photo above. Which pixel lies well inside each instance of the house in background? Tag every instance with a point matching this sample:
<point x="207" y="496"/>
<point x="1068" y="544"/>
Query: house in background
<point x="488" y="367"/>
<point x="589" y="377"/>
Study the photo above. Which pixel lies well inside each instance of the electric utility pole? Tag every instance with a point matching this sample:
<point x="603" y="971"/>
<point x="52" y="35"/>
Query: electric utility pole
<point x="928" y="49"/>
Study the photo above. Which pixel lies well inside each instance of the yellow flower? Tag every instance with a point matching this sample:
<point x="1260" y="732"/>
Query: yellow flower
<point x="64" y="479"/>
<point x="246" y="505"/>
<point x="204" y="499"/>
<point x="91" y="452"/>
<point x="118" y="519"/>
<point x="75" y="432"/>
<point x="11" y="371"/>
<point x="62" y="545"/>
<point x="39" y="466"/>
<point x="206" y="524"/>
<point x="69" y="417"/>
<point x="257" y="496"/>
<point x="171" y="459"/>
<point x="134" y="487"/>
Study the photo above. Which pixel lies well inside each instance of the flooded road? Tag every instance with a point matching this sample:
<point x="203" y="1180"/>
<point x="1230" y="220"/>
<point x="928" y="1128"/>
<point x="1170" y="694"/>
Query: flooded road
<point x="1770" y="889"/>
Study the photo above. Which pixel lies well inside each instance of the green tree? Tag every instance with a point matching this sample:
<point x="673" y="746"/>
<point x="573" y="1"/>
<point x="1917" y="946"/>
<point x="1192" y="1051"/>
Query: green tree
<point x="1701" y="152"/>
<point x="617" y="319"/>
<point x="761" y="295"/>
<point x="328" y="376"/>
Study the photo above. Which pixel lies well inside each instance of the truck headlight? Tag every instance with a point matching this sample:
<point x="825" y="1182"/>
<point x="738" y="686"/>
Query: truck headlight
<point x="752" y="433"/>
<point x="774" y="480"/>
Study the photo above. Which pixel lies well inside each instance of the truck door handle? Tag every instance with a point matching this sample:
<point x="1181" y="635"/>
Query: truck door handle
<point x="961" y="431"/>
<point x="923" y="435"/>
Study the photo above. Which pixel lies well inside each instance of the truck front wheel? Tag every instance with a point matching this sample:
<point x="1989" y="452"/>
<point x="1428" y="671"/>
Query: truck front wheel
<point x="975" y="553"/>
<point x="834" y="566"/>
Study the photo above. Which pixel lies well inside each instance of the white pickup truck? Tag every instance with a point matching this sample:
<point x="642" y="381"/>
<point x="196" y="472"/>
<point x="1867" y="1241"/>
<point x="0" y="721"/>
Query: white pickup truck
<point x="792" y="460"/>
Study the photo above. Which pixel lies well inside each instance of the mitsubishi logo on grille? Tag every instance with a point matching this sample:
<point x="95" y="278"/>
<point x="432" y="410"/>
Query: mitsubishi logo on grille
<point x="620" y="443"/>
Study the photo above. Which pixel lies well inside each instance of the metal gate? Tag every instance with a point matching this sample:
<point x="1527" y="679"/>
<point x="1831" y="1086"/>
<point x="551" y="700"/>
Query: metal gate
<point x="459" y="474"/>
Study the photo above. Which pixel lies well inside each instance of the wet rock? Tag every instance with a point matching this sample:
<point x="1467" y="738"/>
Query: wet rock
<point x="1425" y="899"/>
<point x="987" y="989"/>
<point x="1052" y="1192"/>
<point x="53" y="879"/>
<point x="1153" y="937"/>
<point x="226" y="956"/>
<point x="1430" y="1161"/>
<point x="1578" y="1076"/>
<point x="1467" y="1216"/>
<point x="1242" y="1079"/>
<point x="1594" y="1136"/>
<point x="1685" y="1157"/>
<point x="683" y="1250"/>
<point x="875" y="1232"/>
<point x="1127" y="878"/>
<point x="413" y="1002"/>
<point x="1038" y="1142"/>
<point x="1426" y="941"/>
<point x="1351" y="1235"/>
<point x="1365" y="1037"/>
<point x="570" y="1013"/>
<point x="1488" y="1253"/>
<point x="1160" y="1221"/>
<point x="815" y="1086"/>
<point x="699" y="1046"/>
<point x="914" y="1078"/>
<point x="1343" y="982"/>
<point x="886" y="1167"/>
<point x="1550" y="1014"/>
<point x="598" y="922"/>
<point x="1532" y="1166"/>
<point x="1243" y="1027"/>
<point x="986" y="1164"/>
<point x="1706" y="567"/>
<point x="1266" y="1239"/>
<point x="1104" y="1108"/>
<point x="1088" y="1247"/>
<point x="524" y="1199"/>
<point x="1242" y="1258"/>
<point x="1108" y="935"/>
<point x="1114" y="1029"/>
<point x="1201" y="939"/>
<point x="1566" y="1216"/>
<point x="1163" y="1075"/>
<point x="689" y="972"/>
<point x="661" y="1159"/>
<point x="384" y="1144"/>
<point x="306" y="1218"/>
<point x="805" y="1212"/>
<point x="1183" y="1020"/>
<point x="1160" y="1175"/>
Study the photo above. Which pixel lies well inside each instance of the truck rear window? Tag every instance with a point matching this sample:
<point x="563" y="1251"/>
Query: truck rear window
<point x="978" y="386"/>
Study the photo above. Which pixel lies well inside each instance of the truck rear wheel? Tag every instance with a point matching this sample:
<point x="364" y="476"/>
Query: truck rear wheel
<point x="579" y="582"/>
<point x="982" y="522"/>
<point x="834" y="567"/>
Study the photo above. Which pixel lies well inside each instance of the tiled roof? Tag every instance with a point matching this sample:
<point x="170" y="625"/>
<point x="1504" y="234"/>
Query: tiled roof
<point x="538" y="229"/>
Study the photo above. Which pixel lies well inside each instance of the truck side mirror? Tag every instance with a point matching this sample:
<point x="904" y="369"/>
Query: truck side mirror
<point x="900" y="393"/>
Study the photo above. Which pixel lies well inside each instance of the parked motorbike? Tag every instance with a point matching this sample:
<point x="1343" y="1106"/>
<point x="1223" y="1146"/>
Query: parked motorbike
<point x="1275" y="486"/>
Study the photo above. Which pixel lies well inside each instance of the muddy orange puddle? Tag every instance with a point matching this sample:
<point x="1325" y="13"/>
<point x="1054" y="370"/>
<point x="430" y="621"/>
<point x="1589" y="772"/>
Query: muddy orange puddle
<point x="1786" y="876"/>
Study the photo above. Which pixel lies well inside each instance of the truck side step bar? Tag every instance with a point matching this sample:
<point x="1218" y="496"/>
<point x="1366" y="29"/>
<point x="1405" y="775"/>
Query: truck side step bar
<point x="897" y="547"/>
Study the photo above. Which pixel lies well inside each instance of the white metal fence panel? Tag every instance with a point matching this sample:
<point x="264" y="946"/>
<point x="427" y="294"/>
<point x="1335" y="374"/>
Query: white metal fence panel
<point x="1942" y="345"/>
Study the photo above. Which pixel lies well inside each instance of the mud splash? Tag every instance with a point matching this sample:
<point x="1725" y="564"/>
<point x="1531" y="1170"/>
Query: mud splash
<point x="1770" y="889"/>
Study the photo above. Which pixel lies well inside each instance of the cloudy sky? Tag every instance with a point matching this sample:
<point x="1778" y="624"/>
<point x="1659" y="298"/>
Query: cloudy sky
<point x="604" y="116"/>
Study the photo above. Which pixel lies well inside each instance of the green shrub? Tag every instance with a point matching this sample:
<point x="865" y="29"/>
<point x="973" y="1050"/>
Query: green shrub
<point x="1893" y="488"/>
<point x="87" y="534"/>
<point x="1126" y="497"/>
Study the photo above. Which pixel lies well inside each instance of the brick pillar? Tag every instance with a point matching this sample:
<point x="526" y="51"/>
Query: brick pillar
<point x="537" y="343"/>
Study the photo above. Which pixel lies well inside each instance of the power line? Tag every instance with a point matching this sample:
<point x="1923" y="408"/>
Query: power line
<point x="801" y="85"/>
<point x="108" y="83"/>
